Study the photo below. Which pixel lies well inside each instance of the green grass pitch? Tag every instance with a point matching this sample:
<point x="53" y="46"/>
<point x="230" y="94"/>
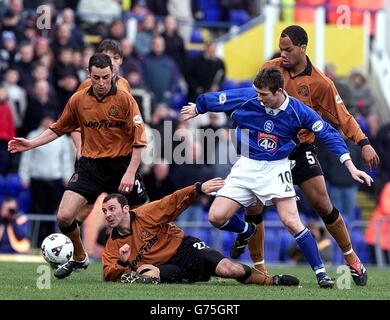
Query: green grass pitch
<point x="19" y="281"/>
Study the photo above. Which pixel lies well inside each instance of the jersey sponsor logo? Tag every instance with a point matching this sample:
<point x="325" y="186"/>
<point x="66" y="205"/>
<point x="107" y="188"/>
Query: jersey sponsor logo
<point x="145" y="234"/>
<point x="222" y="98"/>
<point x="268" y="126"/>
<point x="137" y="119"/>
<point x="338" y="99"/>
<point x="303" y="90"/>
<point x="104" y="124"/>
<point x="113" y="111"/>
<point x="144" y="249"/>
<point x="317" y="126"/>
<point x="267" y="142"/>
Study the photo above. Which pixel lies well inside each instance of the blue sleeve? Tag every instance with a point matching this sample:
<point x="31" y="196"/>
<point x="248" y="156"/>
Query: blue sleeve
<point x="224" y="101"/>
<point x="324" y="131"/>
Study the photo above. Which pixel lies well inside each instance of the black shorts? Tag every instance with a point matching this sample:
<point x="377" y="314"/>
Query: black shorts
<point x="194" y="261"/>
<point x="94" y="176"/>
<point x="306" y="163"/>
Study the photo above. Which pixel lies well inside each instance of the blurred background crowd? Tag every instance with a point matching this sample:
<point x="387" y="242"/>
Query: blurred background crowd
<point x="170" y="56"/>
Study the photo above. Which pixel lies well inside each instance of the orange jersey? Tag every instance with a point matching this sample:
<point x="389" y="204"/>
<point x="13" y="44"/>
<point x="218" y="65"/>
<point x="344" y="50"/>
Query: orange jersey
<point x="110" y="127"/>
<point x="120" y="82"/>
<point x="153" y="239"/>
<point x="317" y="91"/>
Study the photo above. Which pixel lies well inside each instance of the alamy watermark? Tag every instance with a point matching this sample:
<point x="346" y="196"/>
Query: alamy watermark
<point x="43" y="21"/>
<point x="44" y="277"/>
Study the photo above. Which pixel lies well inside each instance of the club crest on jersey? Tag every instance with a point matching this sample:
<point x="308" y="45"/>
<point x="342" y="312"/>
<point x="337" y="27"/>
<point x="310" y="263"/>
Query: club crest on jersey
<point x="268" y="126"/>
<point x="113" y="111"/>
<point x="145" y="234"/>
<point x="268" y="142"/>
<point x="303" y="91"/>
<point x="222" y="98"/>
<point x="317" y="126"/>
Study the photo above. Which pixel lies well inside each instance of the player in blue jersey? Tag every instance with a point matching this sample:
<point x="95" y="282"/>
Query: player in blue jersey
<point x="267" y="121"/>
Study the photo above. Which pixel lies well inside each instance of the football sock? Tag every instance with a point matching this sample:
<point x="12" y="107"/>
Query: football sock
<point x="238" y="225"/>
<point x="309" y="248"/>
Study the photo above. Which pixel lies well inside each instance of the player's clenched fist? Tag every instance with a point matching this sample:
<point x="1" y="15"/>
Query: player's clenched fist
<point x="124" y="253"/>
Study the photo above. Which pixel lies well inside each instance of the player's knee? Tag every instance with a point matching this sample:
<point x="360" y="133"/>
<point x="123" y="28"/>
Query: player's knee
<point x="216" y="217"/>
<point x="228" y="269"/>
<point x="64" y="220"/>
<point x="322" y="205"/>
<point x="292" y="223"/>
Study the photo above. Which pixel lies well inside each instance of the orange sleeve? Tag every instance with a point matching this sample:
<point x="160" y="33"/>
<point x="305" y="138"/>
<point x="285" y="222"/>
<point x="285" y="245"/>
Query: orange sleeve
<point x="112" y="270"/>
<point x="137" y="124"/>
<point x="168" y="208"/>
<point x="68" y="121"/>
<point x="333" y="109"/>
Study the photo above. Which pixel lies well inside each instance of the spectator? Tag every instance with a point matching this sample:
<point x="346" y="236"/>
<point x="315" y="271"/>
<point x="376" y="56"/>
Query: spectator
<point x="13" y="228"/>
<point x="16" y="95"/>
<point x="206" y="72"/>
<point x="160" y="72"/>
<point x="361" y="97"/>
<point x="382" y="212"/>
<point x="158" y="182"/>
<point x="144" y="37"/>
<point x="45" y="171"/>
<point x="174" y="43"/>
<point x="341" y="187"/>
<point x="7" y="130"/>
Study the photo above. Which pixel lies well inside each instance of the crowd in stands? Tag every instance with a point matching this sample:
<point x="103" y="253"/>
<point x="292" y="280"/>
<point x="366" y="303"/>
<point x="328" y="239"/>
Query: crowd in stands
<point x="41" y="68"/>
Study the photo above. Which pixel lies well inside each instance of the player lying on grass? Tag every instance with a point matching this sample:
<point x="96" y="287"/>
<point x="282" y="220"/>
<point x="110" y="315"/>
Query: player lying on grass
<point x="146" y="236"/>
<point x="267" y="119"/>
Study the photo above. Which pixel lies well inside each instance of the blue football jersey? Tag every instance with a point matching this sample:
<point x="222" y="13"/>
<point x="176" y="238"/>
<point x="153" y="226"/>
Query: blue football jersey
<point x="264" y="133"/>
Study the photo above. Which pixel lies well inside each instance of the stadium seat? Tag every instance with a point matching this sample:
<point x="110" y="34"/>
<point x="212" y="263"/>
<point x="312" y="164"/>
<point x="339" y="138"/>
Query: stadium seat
<point x="212" y="15"/>
<point x="196" y="36"/>
<point x="272" y="245"/>
<point x="13" y="185"/>
<point x="359" y="244"/>
<point x="286" y="242"/>
<point x="2" y="185"/>
<point x="238" y="17"/>
<point x="24" y="201"/>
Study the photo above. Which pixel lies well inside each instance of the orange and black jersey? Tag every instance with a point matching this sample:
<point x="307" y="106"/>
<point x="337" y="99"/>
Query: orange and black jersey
<point x="153" y="239"/>
<point x="120" y="82"/>
<point x="317" y="91"/>
<point x="110" y="127"/>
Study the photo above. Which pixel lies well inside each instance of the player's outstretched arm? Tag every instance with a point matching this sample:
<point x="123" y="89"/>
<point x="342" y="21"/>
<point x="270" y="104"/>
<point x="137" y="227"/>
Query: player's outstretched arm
<point x="21" y="144"/>
<point x="189" y="111"/>
<point x="356" y="174"/>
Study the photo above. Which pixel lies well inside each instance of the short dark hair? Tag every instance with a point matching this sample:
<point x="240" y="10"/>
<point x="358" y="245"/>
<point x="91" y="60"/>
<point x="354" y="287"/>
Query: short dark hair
<point x="110" y="45"/>
<point x="99" y="60"/>
<point x="270" y="78"/>
<point x="118" y="196"/>
<point x="297" y="35"/>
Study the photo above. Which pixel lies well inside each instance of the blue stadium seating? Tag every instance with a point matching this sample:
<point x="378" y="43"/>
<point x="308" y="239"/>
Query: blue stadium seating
<point x="238" y="17"/>
<point x="13" y="185"/>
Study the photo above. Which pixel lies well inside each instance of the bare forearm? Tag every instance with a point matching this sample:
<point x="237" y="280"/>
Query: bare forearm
<point x="135" y="160"/>
<point x="44" y="138"/>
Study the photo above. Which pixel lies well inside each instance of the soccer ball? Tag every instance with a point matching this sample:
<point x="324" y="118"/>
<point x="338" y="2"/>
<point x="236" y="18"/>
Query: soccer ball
<point x="57" y="249"/>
